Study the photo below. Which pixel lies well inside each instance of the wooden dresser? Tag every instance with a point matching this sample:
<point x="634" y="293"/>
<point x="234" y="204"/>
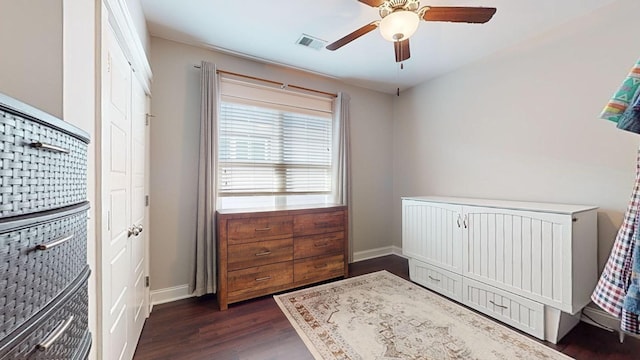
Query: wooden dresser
<point x="43" y="236"/>
<point x="262" y="252"/>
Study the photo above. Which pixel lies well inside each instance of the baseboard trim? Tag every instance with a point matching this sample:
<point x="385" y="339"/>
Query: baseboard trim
<point x="375" y="253"/>
<point x="162" y="296"/>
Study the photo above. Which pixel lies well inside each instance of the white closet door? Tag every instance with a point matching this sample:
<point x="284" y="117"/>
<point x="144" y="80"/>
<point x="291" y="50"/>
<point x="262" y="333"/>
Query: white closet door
<point x="139" y="299"/>
<point x="125" y="304"/>
<point x="116" y="194"/>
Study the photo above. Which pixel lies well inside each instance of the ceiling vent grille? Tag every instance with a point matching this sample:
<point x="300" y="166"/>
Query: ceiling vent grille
<point x="311" y="42"/>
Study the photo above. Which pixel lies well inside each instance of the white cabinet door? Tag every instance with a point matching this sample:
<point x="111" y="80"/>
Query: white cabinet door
<point x="518" y="251"/>
<point x="432" y="233"/>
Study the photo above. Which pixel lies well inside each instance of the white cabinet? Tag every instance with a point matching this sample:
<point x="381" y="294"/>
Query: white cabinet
<point x="530" y="265"/>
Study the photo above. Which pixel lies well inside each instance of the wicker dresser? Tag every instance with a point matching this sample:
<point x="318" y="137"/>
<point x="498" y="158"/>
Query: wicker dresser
<point x="265" y="251"/>
<point x="43" y="236"/>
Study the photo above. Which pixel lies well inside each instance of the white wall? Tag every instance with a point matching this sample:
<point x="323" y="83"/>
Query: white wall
<point x="524" y="124"/>
<point x="79" y="109"/>
<point x="174" y="154"/>
<point x="31" y="56"/>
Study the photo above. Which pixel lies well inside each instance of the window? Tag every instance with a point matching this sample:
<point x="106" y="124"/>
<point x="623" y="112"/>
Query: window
<point x="274" y="146"/>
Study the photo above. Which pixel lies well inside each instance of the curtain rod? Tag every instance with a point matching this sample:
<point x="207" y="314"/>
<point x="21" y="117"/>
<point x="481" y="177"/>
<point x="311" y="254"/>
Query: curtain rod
<point x="282" y="85"/>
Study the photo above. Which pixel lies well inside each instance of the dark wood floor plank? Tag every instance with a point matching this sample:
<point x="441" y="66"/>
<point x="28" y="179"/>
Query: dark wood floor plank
<point x="194" y="329"/>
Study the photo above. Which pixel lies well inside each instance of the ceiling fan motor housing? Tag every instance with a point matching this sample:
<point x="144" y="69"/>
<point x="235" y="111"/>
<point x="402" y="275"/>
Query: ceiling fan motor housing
<point x="390" y="6"/>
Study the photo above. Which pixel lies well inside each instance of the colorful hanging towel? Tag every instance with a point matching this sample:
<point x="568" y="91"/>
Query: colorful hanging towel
<point x="624" y="96"/>
<point x="630" y="119"/>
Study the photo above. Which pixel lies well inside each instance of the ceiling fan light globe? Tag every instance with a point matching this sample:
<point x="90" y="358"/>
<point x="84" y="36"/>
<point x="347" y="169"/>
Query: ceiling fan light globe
<point x="399" y="25"/>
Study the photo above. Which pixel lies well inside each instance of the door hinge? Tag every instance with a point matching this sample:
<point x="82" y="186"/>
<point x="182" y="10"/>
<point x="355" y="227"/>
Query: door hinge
<point x="146" y="200"/>
<point x="148" y="116"/>
<point x="146" y="281"/>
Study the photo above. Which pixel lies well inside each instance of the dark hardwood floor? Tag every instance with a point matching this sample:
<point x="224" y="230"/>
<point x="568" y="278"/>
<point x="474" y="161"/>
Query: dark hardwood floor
<point x="257" y="329"/>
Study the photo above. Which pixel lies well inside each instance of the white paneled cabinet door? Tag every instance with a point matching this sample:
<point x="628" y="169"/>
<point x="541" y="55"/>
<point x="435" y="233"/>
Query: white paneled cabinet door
<point x="519" y="251"/>
<point x="432" y="233"/>
<point x="124" y="302"/>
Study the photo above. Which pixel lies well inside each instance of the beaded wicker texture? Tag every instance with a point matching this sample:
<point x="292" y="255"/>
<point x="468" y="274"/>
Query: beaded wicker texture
<point x="34" y="179"/>
<point x="30" y="278"/>
<point x="71" y="340"/>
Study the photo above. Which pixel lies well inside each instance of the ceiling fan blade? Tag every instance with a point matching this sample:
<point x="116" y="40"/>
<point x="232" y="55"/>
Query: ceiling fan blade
<point x="354" y="35"/>
<point x="402" y="50"/>
<point x="372" y="3"/>
<point x="477" y="15"/>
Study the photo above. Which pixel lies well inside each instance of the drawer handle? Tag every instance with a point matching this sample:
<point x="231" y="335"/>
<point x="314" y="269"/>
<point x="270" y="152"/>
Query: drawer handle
<point x="321" y="266"/>
<point x="500" y="306"/>
<point x="321" y="244"/>
<point x="45" y="146"/>
<point x="54" y="243"/>
<point x="55" y="334"/>
<point x="264" y="253"/>
<point x="264" y="229"/>
<point x="434" y="279"/>
<point x="264" y="278"/>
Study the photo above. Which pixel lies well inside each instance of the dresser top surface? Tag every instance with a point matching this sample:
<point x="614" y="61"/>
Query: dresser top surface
<point x="507" y="204"/>
<point x="282" y="209"/>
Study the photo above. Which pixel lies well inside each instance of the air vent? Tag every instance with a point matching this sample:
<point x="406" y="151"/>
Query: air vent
<point x="311" y="42"/>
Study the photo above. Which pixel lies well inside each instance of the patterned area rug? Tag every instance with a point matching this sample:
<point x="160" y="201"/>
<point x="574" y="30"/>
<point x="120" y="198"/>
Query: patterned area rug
<point x="382" y="316"/>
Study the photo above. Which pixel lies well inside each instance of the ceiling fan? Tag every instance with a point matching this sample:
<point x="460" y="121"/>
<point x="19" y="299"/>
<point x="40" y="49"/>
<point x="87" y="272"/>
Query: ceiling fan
<point x="400" y="20"/>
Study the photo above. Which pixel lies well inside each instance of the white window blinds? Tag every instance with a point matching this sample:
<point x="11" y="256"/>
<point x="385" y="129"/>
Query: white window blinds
<point x="273" y="142"/>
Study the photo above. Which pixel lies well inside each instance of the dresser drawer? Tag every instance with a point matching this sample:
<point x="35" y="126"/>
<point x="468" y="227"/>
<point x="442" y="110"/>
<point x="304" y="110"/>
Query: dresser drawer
<point x="67" y="319"/>
<point x="317" y="245"/>
<point x="241" y="231"/>
<point x="521" y="313"/>
<point x="259" y="279"/>
<point x="259" y="253"/>
<point x="37" y="263"/>
<point x="318" y="269"/>
<point x="42" y="168"/>
<point x="318" y="223"/>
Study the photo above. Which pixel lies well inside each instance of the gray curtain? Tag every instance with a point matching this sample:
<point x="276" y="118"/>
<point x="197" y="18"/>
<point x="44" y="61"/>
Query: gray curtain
<point x="342" y="170"/>
<point x="203" y="280"/>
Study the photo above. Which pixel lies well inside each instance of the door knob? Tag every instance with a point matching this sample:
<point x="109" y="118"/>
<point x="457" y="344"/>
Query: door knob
<point x="133" y="231"/>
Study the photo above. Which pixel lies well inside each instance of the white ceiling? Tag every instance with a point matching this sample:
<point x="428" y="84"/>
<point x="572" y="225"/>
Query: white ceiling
<point x="268" y="31"/>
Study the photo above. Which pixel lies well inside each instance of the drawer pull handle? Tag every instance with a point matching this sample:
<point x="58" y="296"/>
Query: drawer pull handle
<point x="54" y="243"/>
<point x="264" y="253"/>
<point x="45" y="146"/>
<point x="321" y="266"/>
<point x="55" y="334"/>
<point x="434" y="279"/>
<point x="264" y="278"/>
<point x="500" y="306"/>
<point x="264" y="229"/>
<point x="321" y="244"/>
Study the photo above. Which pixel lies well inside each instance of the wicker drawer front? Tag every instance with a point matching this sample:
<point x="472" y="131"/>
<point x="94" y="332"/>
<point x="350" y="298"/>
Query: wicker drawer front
<point x="259" y="278"/>
<point x="318" y="269"/>
<point x="242" y="231"/>
<point x="35" y="179"/>
<point x="309" y="224"/>
<point x="69" y="344"/>
<point x="259" y="253"/>
<point x="317" y="245"/>
<point x="31" y="278"/>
